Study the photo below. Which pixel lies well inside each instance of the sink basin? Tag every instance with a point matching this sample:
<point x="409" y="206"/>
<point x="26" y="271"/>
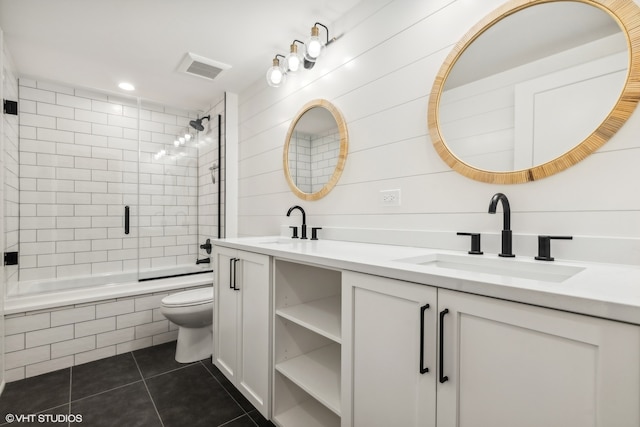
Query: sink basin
<point x="280" y="241"/>
<point x="509" y="267"/>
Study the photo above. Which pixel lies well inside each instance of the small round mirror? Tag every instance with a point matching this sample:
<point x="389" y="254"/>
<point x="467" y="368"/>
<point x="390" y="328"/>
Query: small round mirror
<point x="315" y="150"/>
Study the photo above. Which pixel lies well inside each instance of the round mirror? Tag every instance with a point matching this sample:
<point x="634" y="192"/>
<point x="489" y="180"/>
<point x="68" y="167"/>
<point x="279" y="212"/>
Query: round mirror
<point x="535" y="87"/>
<point x="315" y="150"/>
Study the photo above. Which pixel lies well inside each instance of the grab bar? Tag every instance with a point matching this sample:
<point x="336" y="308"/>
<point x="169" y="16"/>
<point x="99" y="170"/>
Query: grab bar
<point x="126" y="220"/>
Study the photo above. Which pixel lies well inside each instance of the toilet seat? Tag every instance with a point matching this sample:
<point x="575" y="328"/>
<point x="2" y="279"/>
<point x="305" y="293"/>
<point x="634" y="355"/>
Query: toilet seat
<point x="189" y="298"/>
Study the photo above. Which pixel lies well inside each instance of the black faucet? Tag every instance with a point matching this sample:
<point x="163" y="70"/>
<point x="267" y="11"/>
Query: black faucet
<point x="304" y="220"/>
<point x="203" y="261"/>
<point x="506" y="228"/>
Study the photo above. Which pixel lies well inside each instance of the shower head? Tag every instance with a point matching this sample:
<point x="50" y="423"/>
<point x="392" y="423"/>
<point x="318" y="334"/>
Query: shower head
<point x="197" y="124"/>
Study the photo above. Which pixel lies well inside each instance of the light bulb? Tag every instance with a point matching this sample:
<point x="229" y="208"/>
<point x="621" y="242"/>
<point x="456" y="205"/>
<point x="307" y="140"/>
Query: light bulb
<point x="314" y="45"/>
<point x="181" y="139"/>
<point x="293" y="60"/>
<point x="187" y="136"/>
<point x="176" y="143"/>
<point x="275" y="75"/>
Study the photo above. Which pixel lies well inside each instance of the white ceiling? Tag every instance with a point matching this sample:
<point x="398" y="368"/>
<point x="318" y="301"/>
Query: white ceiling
<point x="97" y="44"/>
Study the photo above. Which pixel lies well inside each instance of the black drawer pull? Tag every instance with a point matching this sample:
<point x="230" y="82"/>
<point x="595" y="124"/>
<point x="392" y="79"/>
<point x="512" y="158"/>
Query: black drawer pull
<point x="443" y="377"/>
<point x="423" y="369"/>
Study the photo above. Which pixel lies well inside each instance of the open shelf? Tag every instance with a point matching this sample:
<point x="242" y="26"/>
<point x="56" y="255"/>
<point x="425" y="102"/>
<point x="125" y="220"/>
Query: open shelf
<point x="317" y="373"/>
<point x="321" y="316"/>
<point x="309" y="414"/>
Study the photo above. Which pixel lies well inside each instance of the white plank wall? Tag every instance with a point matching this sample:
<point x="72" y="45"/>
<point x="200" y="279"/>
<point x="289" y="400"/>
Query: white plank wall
<point x="379" y="74"/>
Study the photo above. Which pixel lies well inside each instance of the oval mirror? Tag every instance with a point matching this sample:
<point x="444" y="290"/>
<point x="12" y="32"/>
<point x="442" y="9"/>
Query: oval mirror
<point x="315" y="150"/>
<point x="535" y="87"/>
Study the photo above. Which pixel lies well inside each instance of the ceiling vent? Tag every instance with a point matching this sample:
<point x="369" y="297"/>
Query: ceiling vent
<point x="202" y="67"/>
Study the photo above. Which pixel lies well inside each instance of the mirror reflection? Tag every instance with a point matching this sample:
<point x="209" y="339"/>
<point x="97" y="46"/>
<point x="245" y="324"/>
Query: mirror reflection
<point x="533" y="86"/>
<point x="315" y="150"/>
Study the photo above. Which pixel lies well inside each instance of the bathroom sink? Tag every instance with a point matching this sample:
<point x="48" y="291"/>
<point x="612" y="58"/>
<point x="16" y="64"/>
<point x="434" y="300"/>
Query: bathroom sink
<point x="509" y="267"/>
<point x="280" y="241"/>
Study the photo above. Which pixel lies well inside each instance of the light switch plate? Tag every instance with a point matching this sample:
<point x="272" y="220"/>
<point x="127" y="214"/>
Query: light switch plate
<point x="389" y="197"/>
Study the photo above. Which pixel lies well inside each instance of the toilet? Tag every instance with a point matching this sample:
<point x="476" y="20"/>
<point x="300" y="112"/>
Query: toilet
<point x="192" y="312"/>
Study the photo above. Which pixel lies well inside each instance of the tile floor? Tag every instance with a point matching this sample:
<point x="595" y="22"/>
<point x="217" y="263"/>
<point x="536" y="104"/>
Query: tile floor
<point x="144" y="388"/>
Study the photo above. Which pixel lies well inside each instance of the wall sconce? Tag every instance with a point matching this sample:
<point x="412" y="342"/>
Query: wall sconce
<point x="294" y="59"/>
<point x="276" y="75"/>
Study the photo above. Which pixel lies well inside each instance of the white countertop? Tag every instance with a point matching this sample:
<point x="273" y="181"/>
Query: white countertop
<point x="609" y="291"/>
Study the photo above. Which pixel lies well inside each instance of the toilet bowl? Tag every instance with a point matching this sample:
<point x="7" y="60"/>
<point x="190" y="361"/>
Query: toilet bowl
<point x="192" y="312"/>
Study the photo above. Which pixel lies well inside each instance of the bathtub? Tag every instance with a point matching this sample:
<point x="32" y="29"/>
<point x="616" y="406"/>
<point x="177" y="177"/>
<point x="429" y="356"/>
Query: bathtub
<point x="46" y="294"/>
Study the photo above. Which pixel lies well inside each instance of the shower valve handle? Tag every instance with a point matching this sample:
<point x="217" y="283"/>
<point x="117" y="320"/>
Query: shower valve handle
<point x="206" y="246"/>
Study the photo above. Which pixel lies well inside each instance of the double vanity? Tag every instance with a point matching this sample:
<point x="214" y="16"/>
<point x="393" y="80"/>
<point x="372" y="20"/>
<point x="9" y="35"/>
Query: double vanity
<point x="336" y="333"/>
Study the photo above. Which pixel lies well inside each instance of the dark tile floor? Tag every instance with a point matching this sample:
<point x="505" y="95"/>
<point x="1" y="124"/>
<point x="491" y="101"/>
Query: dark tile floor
<point x="144" y="388"/>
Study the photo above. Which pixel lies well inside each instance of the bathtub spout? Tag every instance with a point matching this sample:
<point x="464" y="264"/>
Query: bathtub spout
<point x="204" y="261"/>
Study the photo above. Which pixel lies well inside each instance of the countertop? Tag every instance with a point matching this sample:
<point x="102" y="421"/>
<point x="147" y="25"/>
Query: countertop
<point x="609" y="291"/>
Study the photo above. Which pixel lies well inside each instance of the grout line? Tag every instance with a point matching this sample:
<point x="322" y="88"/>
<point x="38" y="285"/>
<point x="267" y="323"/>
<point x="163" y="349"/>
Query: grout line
<point x="147" y="388"/>
<point x="230" y="395"/>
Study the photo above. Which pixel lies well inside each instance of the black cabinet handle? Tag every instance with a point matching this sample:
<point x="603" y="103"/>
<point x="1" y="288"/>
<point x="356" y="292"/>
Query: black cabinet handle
<point x="423" y="369"/>
<point x="231" y="260"/>
<point x="443" y="377"/>
<point x="235" y="273"/>
<point x="126" y="220"/>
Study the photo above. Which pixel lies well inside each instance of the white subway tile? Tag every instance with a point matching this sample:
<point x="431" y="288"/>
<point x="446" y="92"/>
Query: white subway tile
<point x="73" y="246"/>
<point x="151" y="329"/>
<point x="163" y="118"/>
<point x="115" y="337"/>
<point x="134" y="345"/>
<point x="90" y="116"/>
<point x="73" y="174"/>
<point x="106" y="267"/>
<point x="134" y="319"/>
<point x="106" y="244"/>
<point x="54" y="235"/>
<point x="73" y="101"/>
<point x="90" y="257"/>
<point x="37" y="248"/>
<point x="106" y="153"/>
<point x="165" y="337"/>
<point x="48" y="336"/>
<point x="94" y="327"/>
<point x="37" y="273"/>
<point x="72" y="222"/>
<point x="37" y="197"/>
<point x="106" y="176"/>
<point x="54" y="210"/>
<point x="106" y="130"/>
<point x="37" y="95"/>
<point x="37" y="172"/>
<point x="26" y="106"/>
<point x="93" y="164"/>
<point x="73" y="198"/>
<point x="14" y="343"/>
<point x="119" y="255"/>
<point x="114" y="308"/>
<point x="107" y="221"/>
<point x="106" y="107"/>
<point x="46" y="109"/>
<point x="26" y="357"/>
<point x="114" y="202"/>
<point x="73" y="270"/>
<point x="73" y="346"/>
<point x="48" y="366"/>
<point x="123" y="122"/>
<point x="28" y="119"/>
<point x="45" y="159"/>
<point x="73" y="150"/>
<point x="54" y="87"/>
<point x="91" y="140"/>
<point x="90" y="356"/>
<point x="52" y="260"/>
<point x="90" y="187"/>
<point x="55" y="135"/>
<point x="72" y="315"/>
<point x="15" y="374"/>
<point x="74" y="126"/>
<point x="35" y="146"/>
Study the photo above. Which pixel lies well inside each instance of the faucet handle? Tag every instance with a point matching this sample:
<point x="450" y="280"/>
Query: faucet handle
<point x="544" y="246"/>
<point x="475" y="243"/>
<point x="295" y="231"/>
<point x="314" y="232"/>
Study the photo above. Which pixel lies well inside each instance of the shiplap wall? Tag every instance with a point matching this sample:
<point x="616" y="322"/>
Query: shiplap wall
<point x="379" y="74"/>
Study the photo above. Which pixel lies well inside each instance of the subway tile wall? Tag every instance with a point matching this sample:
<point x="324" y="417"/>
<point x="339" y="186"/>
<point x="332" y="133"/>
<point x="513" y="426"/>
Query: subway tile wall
<point x="84" y="156"/>
<point x="47" y="340"/>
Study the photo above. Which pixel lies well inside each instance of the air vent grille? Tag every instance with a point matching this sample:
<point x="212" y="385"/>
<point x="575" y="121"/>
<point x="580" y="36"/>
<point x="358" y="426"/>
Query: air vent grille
<point x="202" y="67"/>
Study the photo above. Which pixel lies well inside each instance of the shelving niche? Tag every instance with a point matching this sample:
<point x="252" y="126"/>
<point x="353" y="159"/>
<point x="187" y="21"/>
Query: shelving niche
<point x="307" y="345"/>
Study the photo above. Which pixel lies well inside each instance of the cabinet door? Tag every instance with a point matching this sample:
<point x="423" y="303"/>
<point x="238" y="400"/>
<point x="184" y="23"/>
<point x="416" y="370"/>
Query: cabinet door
<point x="511" y="364"/>
<point x="226" y="313"/>
<point x="389" y="345"/>
<point x="254" y="353"/>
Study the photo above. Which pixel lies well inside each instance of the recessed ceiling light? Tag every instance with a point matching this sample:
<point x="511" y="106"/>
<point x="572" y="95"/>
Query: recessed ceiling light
<point x="126" y="86"/>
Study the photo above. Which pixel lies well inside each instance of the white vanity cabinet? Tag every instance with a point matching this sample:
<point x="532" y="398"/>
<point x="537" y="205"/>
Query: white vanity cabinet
<point x="242" y="322"/>
<point x="511" y="364"/>
<point x="503" y="364"/>
<point x="392" y="357"/>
